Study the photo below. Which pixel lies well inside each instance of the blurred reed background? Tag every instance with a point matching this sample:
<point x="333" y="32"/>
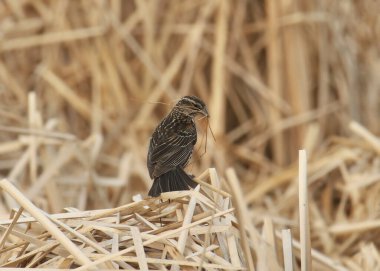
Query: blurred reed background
<point x="84" y="83"/>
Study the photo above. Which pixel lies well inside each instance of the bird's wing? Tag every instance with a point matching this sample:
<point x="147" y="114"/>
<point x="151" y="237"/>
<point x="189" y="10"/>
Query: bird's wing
<point x="179" y="157"/>
<point x="171" y="149"/>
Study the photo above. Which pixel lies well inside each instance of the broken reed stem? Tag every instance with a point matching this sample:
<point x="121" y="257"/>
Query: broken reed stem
<point x="186" y="220"/>
<point x="44" y="221"/>
<point x="354" y="227"/>
<point x="287" y="249"/>
<point x="363" y="132"/>
<point x="211" y="187"/>
<point x="51" y="38"/>
<point x="10" y="227"/>
<point x="304" y="213"/>
<point x="242" y="215"/>
<point x="140" y="253"/>
<point x="35" y="132"/>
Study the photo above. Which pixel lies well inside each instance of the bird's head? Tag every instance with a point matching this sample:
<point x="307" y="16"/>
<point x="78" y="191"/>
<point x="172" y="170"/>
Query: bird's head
<point x="191" y="106"/>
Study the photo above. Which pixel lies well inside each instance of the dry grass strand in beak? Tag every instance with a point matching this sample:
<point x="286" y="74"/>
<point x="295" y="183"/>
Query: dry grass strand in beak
<point x="209" y="126"/>
<point x="212" y="134"/>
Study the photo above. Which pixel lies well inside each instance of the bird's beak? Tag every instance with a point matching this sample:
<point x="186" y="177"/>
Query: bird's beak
<point x="205" y="112"/>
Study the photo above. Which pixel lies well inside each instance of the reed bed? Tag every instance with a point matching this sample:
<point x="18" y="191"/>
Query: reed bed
<point x="84" y="83"/>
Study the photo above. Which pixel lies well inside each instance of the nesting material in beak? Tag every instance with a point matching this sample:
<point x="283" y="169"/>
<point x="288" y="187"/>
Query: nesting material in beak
<point x="205" y="112"/>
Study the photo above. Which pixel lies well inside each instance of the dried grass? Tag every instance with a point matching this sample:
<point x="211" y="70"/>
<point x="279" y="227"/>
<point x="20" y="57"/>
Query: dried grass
<point x="83" y="83"/>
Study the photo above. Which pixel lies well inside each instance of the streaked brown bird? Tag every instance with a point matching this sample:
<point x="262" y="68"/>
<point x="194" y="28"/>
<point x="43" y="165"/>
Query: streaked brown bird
<point x="171" y="147"/>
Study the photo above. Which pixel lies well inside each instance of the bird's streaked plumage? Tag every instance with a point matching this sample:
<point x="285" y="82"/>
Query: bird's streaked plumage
<point x="171" y="147"/>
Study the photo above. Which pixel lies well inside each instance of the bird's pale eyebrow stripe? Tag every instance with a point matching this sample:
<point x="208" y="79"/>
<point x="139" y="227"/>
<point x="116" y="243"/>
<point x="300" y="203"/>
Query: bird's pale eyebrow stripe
<point x="192" y="101"/>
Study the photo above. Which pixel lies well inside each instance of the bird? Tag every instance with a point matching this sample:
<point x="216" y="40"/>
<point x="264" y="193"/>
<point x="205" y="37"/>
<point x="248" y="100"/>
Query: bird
<point x="171" y="146"/>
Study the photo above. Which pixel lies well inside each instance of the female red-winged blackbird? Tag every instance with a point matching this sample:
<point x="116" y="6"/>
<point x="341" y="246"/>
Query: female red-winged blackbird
<point x="171" y="146"/>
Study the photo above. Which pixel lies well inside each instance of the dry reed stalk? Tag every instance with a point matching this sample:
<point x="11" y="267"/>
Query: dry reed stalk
<point x="275" y="75"/>
<point x="242" y="218"/>
<point x="287" y="250"/>
<point x="367" y="135"/>
<point x="10" y="227"/>
<point x="296" y="71"/>
<point x="304" y="213"/>
<point x="270" y="259"/>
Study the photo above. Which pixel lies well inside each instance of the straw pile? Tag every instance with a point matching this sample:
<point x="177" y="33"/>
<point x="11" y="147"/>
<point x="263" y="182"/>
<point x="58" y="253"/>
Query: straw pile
<point x="84" y="83"/>
<point x="147" y="234"/>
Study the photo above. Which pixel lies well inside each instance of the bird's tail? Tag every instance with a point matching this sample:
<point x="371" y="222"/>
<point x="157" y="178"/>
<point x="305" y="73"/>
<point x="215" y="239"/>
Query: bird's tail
<point x="174" y="180"/>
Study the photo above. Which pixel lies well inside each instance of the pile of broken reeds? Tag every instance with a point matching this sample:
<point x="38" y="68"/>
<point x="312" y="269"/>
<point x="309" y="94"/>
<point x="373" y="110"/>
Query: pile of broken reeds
<point x="182" y="229"/>
<point x="186" y="229"/>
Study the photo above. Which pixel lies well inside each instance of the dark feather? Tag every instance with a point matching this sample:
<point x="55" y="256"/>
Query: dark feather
<point x="174" y="180"/>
